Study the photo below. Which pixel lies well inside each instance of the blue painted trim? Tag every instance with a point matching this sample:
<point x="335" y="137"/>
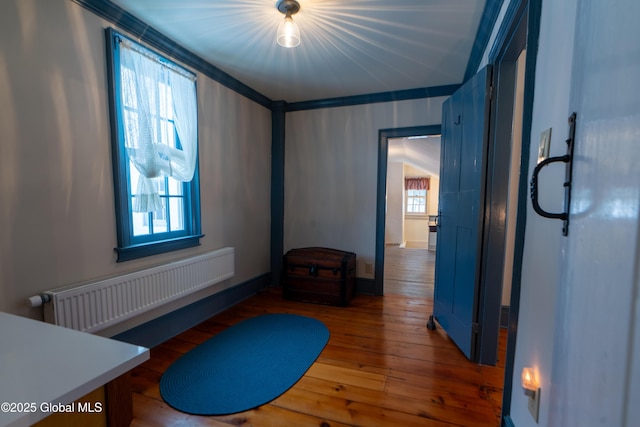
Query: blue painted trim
<point x="159" y="330"/>
<point x="277" y="188"/>
<point x="118" y="161"/>
<point x="127" y="22"/>
<point x="533" y="34"/>
<point x="383" y="145"/>
<point x="507" y="422"/>
<point x="366" y="286"/>
<point x="504" y="316"/>
<point x="487" y="22"/>
<point x="514" y="12"/>
<point x="129" y="253"/>
<point x="372" y="98"/>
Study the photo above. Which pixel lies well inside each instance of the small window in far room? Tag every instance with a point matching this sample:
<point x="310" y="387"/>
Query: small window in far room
<point x="416" y="195"/>
<point x="155" y="150"/>
<point x="416" y="201"/>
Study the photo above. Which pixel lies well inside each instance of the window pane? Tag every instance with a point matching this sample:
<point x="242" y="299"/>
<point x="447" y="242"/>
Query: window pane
<point x="131" y="127"/>
<point x="170" y="137"/>
<point x="176" y="212"/>
<point x="128" y="84"/>
<point x="140" y="223"/>
<point x="134" y="175"/>
<point x="166" y="106"/>
<point x="160" y="219"/>
<point x="168" y="133"/>
<point x="175" y="187"/>
<point x="416" y="201"/>
<point x="162" y="185"/>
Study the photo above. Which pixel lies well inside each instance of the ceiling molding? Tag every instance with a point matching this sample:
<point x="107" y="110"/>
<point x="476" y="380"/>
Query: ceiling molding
<point x="489" y="17"/>
<point x="400" y="95"/>
<point x="152" y="37"/>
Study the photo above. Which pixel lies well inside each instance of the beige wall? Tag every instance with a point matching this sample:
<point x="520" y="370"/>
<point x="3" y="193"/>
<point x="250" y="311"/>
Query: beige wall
<point x="57" y="222"/>
<point x="331" y="169"/>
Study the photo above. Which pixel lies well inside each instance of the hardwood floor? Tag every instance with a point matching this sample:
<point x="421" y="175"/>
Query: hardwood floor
<point x="409" y="271"/>
<point x="381" y="367"/>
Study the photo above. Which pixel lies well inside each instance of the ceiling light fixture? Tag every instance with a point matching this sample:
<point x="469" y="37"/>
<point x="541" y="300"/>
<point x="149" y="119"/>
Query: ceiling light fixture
<point x="288" y="33"/>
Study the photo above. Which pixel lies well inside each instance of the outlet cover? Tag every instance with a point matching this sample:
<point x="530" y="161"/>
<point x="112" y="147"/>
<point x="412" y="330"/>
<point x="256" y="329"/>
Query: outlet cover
<point x="534" y="405"/>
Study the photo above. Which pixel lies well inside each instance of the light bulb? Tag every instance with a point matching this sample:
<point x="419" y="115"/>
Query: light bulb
<point x="288" y="33"/>
<point x="529" y="384"/>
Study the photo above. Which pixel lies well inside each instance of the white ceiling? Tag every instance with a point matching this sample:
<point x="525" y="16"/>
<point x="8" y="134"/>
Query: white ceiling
<point x="349" y="47"/>
<point x="420" y="153"/>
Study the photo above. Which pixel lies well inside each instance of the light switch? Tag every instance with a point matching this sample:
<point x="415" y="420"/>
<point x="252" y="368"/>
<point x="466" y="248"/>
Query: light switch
<point x="545" y="142"/>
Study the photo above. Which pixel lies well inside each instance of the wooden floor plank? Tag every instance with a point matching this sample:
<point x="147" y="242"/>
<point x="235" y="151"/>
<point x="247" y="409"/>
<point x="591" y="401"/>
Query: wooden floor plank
<point x="409" y="271"/>
<point x="381" y="367"/>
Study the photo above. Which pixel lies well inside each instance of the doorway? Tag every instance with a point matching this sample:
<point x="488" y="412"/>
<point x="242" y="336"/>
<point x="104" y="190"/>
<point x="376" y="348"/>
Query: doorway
<point x="386" y="137"/>
<point x="413" y="170"/>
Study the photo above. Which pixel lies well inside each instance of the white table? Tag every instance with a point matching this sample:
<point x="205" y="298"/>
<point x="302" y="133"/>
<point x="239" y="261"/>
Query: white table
<point x="42" y="363"/>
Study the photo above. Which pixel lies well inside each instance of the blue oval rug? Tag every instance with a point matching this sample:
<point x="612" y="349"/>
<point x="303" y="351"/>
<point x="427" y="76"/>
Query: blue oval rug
<point x="245" y="366"/>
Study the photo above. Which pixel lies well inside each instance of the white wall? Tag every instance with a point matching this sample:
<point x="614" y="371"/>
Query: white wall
<point x="579" y="294"/>
<point x="57" y="221"/>
<point x="596" y="320"/>
<point x="331" y="167"/>
<point x="432" y="195"/>
<point x="541" y="270"/>
<point x="394" y="221"/>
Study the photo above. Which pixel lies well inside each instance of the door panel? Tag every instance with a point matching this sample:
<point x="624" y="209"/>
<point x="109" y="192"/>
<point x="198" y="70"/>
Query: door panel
<point x="462" y="177"/>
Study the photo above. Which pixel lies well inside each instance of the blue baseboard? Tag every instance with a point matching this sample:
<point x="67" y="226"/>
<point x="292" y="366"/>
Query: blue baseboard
<point x="159" y="330"/>
<point x="366" y="286"/>
<point x="504" y="316"/>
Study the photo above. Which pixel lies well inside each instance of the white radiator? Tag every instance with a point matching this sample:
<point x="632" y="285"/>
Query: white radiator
<point x="95" y="306"/>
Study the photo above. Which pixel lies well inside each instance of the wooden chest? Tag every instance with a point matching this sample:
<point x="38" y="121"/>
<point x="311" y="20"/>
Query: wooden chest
<point x="319" y="275"/>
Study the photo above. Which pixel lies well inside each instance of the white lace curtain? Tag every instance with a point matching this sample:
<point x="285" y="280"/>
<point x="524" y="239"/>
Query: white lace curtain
<point x="151" y="90"/>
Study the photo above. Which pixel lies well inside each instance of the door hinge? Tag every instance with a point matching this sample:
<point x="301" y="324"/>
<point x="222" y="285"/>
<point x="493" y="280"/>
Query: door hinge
<point x="491" y="92"/>
<point x="475" y="328"/>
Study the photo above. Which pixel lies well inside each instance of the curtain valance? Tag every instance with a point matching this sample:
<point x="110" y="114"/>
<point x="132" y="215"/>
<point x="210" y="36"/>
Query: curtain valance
<point x="420" y="183"/>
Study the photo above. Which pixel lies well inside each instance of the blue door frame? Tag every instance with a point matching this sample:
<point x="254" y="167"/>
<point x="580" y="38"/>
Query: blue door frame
<point x="508" y="40"/>
<point x="383" y="149"/>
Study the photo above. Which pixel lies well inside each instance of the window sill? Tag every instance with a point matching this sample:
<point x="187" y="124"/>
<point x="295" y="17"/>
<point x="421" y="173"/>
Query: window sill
<point x="129" y="253"/>
<point x="418" y="217"/>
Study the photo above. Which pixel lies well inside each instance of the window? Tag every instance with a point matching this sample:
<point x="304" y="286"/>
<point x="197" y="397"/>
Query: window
<point x="416" y="202"/>
<point x="155" y="143"/>
<point x="416" y="195"/>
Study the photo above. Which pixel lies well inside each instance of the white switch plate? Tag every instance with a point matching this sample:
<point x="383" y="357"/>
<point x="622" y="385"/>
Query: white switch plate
<point x="368" y="268"/>
<point x="545" y="142"/>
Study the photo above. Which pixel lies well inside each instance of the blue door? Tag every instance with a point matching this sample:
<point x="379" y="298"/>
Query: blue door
<point x="461" y="211"/>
